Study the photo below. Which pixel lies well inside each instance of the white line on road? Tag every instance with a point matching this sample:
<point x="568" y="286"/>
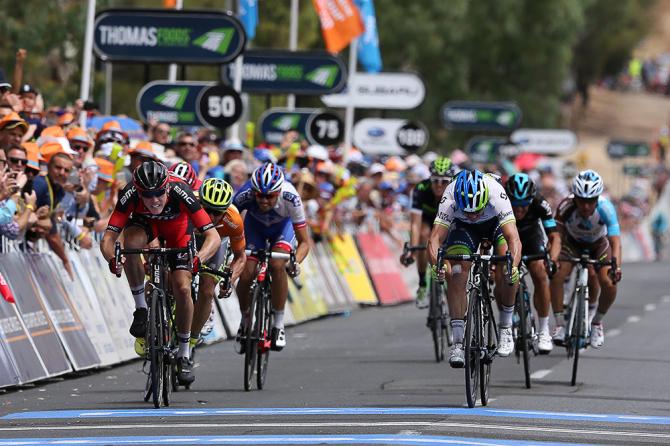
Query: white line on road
<point x="665" y="299"/>
<point x="650" y="307"/>
<point x="613" y="333"/>
<point x="633" y="319"/>
<point x="415" y="424"/>
<point x="539" y="374"/>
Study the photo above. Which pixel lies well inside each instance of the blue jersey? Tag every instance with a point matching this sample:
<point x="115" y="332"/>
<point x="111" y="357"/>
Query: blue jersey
<point x="289" y="206"/>
<point x="602" y="223"/>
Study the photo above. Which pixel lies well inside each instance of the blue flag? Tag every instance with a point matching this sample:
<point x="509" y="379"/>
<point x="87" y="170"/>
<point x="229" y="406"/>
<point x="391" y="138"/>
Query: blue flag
<point x="249" y="17"/>
<point x="368" y="44"/>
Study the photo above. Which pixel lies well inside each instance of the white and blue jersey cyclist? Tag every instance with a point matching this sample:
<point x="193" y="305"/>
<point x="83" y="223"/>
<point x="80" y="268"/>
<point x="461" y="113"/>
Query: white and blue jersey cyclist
<point x="272" y="211"/>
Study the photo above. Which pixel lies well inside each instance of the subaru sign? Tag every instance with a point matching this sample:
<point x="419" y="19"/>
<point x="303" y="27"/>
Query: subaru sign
<point x="290" y="72"/>
<point x="400" y="91"/>
<point x="174" y="103"/>
<point x="494" y="116"/>
<point x="167" y="36"/>
<point x="545" y="142"/>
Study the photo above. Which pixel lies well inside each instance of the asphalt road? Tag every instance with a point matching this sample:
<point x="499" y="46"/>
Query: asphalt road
<point x="370" y="378"/>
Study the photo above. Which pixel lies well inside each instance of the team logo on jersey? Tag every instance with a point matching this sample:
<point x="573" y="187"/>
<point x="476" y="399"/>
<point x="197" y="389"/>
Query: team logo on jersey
<point x="288" y="196"/>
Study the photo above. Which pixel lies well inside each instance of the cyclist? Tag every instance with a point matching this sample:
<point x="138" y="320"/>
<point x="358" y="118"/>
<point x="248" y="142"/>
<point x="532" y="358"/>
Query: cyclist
<point x="474" y="208"/>
<point x="425" y="201"/>
<point x="185" y="172"/>
<point x="587" y="221"/>
<point x="155" y="205"/>
<point x="530" y="208"/>
<point x="274" y="212"/>
<point x="216" y="197"/>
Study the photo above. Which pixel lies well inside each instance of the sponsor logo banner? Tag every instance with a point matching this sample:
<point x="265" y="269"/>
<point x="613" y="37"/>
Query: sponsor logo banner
<point x="401" y="91"/>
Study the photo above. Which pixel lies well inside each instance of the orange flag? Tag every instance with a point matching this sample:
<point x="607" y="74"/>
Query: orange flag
<point x="340" y="23"/>
<point x="170" y="4"/>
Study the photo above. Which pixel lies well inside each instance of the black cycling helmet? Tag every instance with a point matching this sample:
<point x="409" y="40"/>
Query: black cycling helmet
<point x="150" y="175"/>
<point x="520" y="189"/>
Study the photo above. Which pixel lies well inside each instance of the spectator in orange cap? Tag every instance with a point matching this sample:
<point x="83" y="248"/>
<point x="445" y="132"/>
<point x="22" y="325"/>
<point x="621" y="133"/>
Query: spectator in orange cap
<point x="66" y="120"/>
<point x="105" y="193"/>
<point x="12" y="129"/>
<point x="80" y="143"/>
<point x="34" y="157"/>
<point x="143" y="151"/>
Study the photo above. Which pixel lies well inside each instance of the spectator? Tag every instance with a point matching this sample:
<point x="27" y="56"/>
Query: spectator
<point x="160" y="134"/>
<point x="187" y="150"/>
<point x="81" y="144"/>
<point x="12" y="129"/>
<point x="17" y="158"/>
<point x="232" y="150"/>
<point x="237" y="173"/>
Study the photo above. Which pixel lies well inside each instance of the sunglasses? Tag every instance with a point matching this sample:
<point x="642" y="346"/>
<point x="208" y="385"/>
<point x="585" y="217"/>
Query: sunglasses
<point x="20" y="161"/>
<point x="587" y="200"/>
<point x="153" y="193"/>
<point x="520" y="204"/>
<point x="440" y="181"/>
<point x="191" y="144"/>
<point x="79" y="148"/>
<point x="261" y="196"/>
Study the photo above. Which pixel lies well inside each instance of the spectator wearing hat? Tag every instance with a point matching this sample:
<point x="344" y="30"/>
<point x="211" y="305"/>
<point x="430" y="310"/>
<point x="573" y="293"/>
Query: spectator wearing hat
<point x="28" y="95"/>
<point x="232" y="150"/>
<point x="105" y="193"/>
<point x="17" y="158"/>
<point x="33" y="159"/>
<point x="50" y="191"/>
<point x="12" y="129"/>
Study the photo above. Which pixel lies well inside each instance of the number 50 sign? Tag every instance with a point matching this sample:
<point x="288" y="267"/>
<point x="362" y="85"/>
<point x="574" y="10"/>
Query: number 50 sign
<point x="219" y="106"/>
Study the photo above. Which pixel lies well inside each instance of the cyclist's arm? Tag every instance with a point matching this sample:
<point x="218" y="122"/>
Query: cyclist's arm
<point x="550" y="228"/>
<point x="107" y="244"/>
<point x="210" y="245"/>
<point x="511" y="235"/>
<point x="437" y="236"/>
<point x="302" y="236"/>
<point x="607" y="213"/>
<point x="237" y="243"/>
<point x="415" y="227"/>
<point x="615" y="243"/>
<point x="237" y="265"/>
<point x="554" y="245"/>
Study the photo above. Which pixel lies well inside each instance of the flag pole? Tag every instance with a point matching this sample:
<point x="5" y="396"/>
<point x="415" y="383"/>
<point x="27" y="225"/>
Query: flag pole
<point x="172" y="70"/>
<point x="86" y="64"/>
<point x="237" y="85"/>
<point x="349" y="115"/>
<point x="293" y="44"/>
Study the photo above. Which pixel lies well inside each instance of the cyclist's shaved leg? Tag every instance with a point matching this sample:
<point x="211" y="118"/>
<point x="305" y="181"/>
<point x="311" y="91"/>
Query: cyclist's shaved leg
<point x="556" y="287"/>
<point x="457" y="279"/>
<point x="134" y="237"/>
<point x="279" y="289"/>
<point x="594" y="287"/>
<point x="181" y="288"/>
<point x="505" y="293"/>
<point x="542" y="295"/>
<point x="607" y="295"/>
<point x="203" y="306"/>
<point x="244" y="283"/>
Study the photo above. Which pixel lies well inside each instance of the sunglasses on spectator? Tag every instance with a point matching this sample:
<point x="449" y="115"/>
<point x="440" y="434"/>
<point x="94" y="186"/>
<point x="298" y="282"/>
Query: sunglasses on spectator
<point x="3" y="162"/>
<point x="21" y="161"/>
<point x="79" y="148"/>
<point x="153" y="193"/>
<point x="186" y="143"/>
<point x="266" y="196"/>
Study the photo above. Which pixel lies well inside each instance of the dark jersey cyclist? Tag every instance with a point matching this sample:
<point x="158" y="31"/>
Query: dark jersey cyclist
<point x="156" y="205"/>
<point x="426" y="198"/>
<point x="534" y="218"/>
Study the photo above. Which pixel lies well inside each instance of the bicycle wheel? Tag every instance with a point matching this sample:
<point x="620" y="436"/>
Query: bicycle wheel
<point x="156" y="343"/>
<point x="169" y="364"/>
<point x="489" y="341"/>
<point x="579" y="332"/>
<point x="522" y="340"/>
<point x="435" y="321"/>
<point x="251" y="341"/>
<point x="265" y="325"/>
<point x="472" y="348"/>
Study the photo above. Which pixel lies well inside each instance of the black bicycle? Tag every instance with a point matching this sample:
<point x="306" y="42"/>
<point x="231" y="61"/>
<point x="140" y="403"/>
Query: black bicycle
<point x="578" y="330"/>
<point x="160" y="339"/>
<point x="481" y="331"/>
<point x="257" y="338"/>
<point x="438" y="311"/>
<point x="524" y="329"/>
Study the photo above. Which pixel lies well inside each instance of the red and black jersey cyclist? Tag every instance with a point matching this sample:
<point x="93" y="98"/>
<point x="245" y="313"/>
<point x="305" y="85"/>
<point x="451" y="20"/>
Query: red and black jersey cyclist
<point x="155" y="205"/>
<point x="531" y="209"/>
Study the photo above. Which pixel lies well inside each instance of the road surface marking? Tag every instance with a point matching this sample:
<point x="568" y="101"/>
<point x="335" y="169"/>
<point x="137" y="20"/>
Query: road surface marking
<point x="633" y="319"/>
<point x="613" y="333"/>
<point x="665" y="299"/>
<point x="539" y="374"/>
<point x="650" y="307"/>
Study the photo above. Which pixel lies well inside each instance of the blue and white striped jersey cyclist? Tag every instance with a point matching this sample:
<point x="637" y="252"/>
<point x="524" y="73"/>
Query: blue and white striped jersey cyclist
<point x="475" y="207"/>
<point x="273" y="211"/>
<point x="587" y="221"/>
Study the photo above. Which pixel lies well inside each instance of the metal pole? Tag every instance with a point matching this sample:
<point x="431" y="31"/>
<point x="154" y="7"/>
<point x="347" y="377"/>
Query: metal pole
<point x="172" y="71"/>
<point x="293" y="43"/>
<point x="237" y="85"/>
<point x="108" y="87"/>
<point x="349" y="116"/>
<point x="86" y="64"/>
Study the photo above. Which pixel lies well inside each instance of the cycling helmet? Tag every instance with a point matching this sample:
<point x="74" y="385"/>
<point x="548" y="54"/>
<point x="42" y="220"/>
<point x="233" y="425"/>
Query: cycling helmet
<point x="267" y="179"/>
<point x="587" y="184"/>
<point x="150" y="175"/>
<point x="442" y="167"/>
<point x="184" y="171"/>
<point x="520" y="189"/>
<point x="471" y="191"/>
<point x="216" y="194"/>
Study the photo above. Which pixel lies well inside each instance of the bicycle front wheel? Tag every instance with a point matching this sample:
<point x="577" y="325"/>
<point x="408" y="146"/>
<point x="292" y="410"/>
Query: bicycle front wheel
<point x="265" y="335"/>
<point x="578" y="338"/>
<point x="437" y="326"/>
<point x="251" y="342"/>
<point x="489" y="341"/>
<point x="523" y="336"/>
<point x="473" y="327"/>
<point x="156" y="343"/>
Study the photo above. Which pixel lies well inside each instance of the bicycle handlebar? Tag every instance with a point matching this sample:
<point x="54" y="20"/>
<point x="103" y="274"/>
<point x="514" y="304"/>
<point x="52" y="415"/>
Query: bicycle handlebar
<point x="273" y="254"/>
<point x="118" y="252"/>
<point x="586" y="260"/>
<point x="476" y="257"/>
<point x="407" y="249"/>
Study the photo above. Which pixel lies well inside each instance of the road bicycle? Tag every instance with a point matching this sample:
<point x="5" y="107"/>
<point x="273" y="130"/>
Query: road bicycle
<point x="438" y="311"/>
<point x="256" y="338"/>
<point x="578" y="326"/>
<point x="481" y="332"/>
<point x="160" y="341"/>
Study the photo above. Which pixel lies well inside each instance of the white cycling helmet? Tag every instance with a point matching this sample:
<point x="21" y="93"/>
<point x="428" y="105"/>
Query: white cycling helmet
<point x="587" y="184"/>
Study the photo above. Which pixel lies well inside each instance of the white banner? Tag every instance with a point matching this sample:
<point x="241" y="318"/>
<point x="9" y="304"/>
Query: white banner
<point x="378" y="136"/>
<point x="545" y="142"/>
<point x="401" y="91"/>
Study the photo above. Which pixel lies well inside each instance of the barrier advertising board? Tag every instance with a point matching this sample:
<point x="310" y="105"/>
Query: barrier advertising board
<point x="494" y="116"/>
<point x="167" y="36"/>
<point x="401" y="91"/>
<point x="174" y="103"/>
<point x="290" y="72"/>
<point x="383" y="269"/>
<point x="618" y="148"/>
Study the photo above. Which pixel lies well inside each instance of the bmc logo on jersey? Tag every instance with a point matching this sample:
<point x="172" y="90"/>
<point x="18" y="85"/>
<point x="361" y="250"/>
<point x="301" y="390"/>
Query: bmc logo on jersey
<point x="288" y="196"/>
<point x="182" y="193"/>
<point x="127" y="195"/>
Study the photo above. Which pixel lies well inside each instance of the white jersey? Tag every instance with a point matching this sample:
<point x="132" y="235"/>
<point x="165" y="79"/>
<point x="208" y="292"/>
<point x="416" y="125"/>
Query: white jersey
<point x="498" y="206"/>
<point x="289" y="206"/>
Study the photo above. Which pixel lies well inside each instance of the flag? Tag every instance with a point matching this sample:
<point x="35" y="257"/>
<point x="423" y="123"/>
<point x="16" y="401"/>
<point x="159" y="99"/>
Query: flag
<point x="249" y="17"/>
<point x="6" y="291"/>
<point x="340" y="23"/>
<point x="368" y="44"/>
<point x="171" y="4"/>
